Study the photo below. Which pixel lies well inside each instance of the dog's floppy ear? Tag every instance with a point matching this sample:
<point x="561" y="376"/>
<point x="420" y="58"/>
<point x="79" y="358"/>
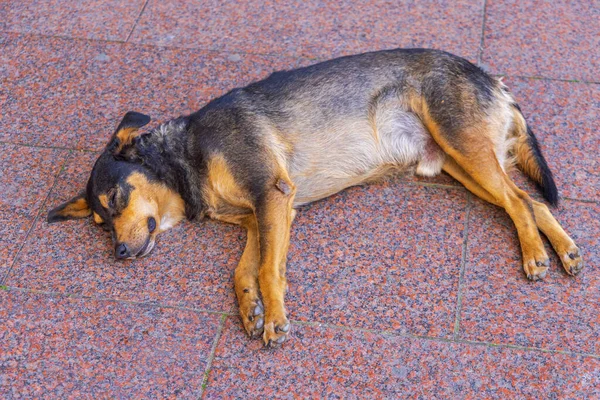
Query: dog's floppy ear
<point x="127" y="130"/>
<point x="77" y="207"/>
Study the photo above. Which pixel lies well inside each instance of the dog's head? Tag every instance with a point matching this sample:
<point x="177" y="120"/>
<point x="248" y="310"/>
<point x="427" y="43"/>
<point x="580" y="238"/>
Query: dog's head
<point x="124" y="197"/>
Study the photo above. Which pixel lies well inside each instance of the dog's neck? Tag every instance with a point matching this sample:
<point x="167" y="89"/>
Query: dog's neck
<point x="164" y="152"/>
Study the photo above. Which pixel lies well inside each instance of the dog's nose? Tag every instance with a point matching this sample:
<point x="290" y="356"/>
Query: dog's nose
<point x="122" y="251"/>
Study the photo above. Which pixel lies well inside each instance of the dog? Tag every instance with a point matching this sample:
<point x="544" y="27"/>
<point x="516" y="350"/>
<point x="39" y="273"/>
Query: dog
<point x="253" y="155"/>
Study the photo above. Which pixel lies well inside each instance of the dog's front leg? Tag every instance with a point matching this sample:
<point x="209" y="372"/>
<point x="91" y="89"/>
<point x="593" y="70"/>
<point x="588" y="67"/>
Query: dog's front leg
<point x="274" y="215"/>
<point x="246" y="281"/>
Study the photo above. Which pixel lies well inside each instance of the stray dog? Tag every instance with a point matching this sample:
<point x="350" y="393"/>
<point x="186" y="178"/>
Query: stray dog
<point x="252" y="155"/>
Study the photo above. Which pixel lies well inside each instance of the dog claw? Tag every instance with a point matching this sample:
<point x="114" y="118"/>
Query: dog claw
<point x="259" y="324"/>
<point x="284" y="328"/>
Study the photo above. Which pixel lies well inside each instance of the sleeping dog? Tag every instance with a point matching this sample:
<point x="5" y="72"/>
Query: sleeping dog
<point x="253" y="155"/>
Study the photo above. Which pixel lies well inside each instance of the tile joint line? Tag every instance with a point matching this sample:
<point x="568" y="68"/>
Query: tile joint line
<point x="211" y="355"/>
<point x="481" y="41"/>
<point x="136" y="21"/>
<point x="36" y="218"/>
<point x="463" y="263"/>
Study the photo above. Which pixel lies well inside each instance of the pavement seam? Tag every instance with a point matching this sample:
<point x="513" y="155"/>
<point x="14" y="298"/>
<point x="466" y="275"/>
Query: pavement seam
<point x="37" y="216"/>
<point x="388" y="333"/>
<point x="442" y="339"/>
<point x="463" y="263"/>
<point x="482" y="39"/>
<point x="136" y="21"/>
<point x="211" y="356"/>
<point x="264" y="54"/>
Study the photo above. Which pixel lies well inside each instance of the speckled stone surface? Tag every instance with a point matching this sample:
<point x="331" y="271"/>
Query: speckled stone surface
<point x="500" y="305"/>
<point x="14" y="225"/>
<point x="96" y="19"/>
<point x="379" y="266"/>
<point x="564" y="117"/>
<point x="383" y="256"/>
<point x="96" y="83"/>
<point x="26" y="176"/>
<point x="553" y="39"/>
<point x="330" y="363"/>
<point x="312" y="28"/>
<point x="72" y="348"/>
<point x="192" y="264"/>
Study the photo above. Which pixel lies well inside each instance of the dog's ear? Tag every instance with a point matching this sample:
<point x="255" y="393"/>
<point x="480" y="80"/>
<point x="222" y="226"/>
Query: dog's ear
<point x="127" y="130"/>
<point x="77" y="207"/>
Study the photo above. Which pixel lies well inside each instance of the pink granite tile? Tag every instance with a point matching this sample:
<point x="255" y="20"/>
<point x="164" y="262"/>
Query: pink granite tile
<point x="73" y="93"/>
<point x="564" y="117"/>
<point x="27" y="175"/>
<point x="500" y="305"/>
<point x="384" y="256"/>
<point x="71" y="348"/>
<point x="318" y="362"/>
<point x="14" y="225"/>
<point x="192" y="264"/>
<point x="543" y="38"/>
<point x="109" y="20"/>
<point x="313" y="28"/>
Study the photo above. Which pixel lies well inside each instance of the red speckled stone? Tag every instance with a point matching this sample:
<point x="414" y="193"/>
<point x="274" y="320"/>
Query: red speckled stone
<point x="564" y="117"/>
<point x="554" y="39"/>
<point x="71" y="348"/>
<point x="384" y="256"/>
<point x="110" y="20"/>
<point x="14" y="225"/>
<point x="26" y="176"/>
<point x="319" y="362"/>
<point x="313" y="28"/>
<point x="74" y="93"/>
<point x="500" y="305"/>
<point x="192" y="264"/>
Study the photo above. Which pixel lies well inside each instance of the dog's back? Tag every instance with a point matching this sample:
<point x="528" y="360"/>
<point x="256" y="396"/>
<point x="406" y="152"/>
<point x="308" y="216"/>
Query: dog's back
<point x="349" y="120"/>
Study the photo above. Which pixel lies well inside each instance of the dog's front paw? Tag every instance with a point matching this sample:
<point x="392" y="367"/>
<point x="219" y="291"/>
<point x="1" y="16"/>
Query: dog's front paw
<point x="252" y="313"/>
<point x="276" y="332"/>
<point x="572" y="261"/>
<point x="536" y="269"/>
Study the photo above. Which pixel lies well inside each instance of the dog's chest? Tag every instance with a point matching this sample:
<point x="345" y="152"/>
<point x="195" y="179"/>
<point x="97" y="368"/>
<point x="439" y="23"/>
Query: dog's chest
<point x="223" y="197"/>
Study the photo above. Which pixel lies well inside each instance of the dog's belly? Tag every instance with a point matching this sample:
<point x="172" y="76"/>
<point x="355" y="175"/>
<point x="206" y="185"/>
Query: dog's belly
<point x="349" y="153"/>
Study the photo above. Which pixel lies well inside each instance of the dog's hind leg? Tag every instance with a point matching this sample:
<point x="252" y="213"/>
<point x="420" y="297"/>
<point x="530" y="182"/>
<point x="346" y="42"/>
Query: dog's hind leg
<point x="246" y="281"/>
<point x="274" y="215"/>
<point x="564" y="246"/>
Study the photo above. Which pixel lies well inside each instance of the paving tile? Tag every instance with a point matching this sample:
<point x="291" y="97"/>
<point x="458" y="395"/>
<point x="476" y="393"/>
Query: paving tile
<point x="384" y="256"/>
<point x="564" y="117"/>
<point x="543" y="38"/>
<point x="27" y="175"/>
<point x="14" y="225"/>
<point x="73" y="93"/>
<point x="313" y="28"/>
<point x="318" y="362"/>
<point x="109" y="20"/>
<point x="192" y="264"/>
<point x="59" y="347"/>
<point x="500" y="305"/>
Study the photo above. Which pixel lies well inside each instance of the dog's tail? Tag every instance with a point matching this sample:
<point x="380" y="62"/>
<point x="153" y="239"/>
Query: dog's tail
<point x="530" y="159"/>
